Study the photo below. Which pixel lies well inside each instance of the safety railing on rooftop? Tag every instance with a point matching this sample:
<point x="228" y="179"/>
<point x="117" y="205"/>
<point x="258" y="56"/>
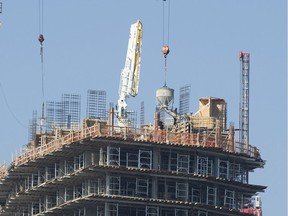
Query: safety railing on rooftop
<point x="3" y="170"/>
<point x="135" y="134"/>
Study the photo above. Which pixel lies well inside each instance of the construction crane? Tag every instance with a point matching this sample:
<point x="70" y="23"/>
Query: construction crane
<point x="165" y="95"/>
<point x="244" y="100"/>
<point x="129" y="80"/>
<point x="41" y="40"/>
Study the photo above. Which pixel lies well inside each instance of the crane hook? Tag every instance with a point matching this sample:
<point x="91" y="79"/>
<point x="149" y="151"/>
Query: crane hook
<point x="165" y="51"/>
<point x="41" y="39"/>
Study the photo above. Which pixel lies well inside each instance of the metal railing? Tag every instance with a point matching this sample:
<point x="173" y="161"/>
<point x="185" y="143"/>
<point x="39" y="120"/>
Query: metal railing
<point x="135" y="134"/>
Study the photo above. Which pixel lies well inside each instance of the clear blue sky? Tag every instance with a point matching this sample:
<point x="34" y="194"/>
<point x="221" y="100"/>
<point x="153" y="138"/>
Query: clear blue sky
<point x="85" y="48"/>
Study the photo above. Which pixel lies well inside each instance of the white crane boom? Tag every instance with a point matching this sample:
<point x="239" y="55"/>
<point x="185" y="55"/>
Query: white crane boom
<point x="129" y="80"/>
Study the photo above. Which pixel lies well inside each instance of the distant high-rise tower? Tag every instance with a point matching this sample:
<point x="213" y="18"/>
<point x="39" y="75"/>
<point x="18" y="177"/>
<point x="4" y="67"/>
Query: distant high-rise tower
<point x="96" y="104"/>
<point x="142" y="113"/>
<point x="184" y="99"/>
<point x="111" y="105"/>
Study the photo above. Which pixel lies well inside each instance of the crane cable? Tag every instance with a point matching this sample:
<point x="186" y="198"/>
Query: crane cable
<point x="9" y="108"/>
<point x="168" y="22"/>
<point x="41" y="40"/>
<point x="165" y="48"/>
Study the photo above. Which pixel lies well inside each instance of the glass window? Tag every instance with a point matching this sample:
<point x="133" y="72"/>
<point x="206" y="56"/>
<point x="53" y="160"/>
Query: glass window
<point x="202" y="165"/>
<point x="223" y="169"/>
<point x="181" y="191"/>
<point x="182" y="163"/>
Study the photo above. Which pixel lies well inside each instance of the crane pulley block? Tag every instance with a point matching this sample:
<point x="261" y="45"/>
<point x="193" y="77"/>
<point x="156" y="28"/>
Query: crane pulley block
<point x="41" y="38"/>
<point x="165" y="51"/>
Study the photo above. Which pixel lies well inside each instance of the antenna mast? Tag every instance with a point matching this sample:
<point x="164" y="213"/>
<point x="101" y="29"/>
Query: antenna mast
<point x="244" y="100"/>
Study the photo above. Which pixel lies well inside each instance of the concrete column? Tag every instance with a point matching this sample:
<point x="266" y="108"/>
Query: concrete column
<point x="188" y="189"/>
<point x="107" y="212"/>
<point x="110" y="121"/>
<point x="87" y="158"/>
<point x="156" y="120"/>
<point x="231" y="138"/>
<point x="61" y="194"/>
<point x="61" y="168"/>
<point x="218" y="140"/>
<point x="165" y="190"/>
<point x="156" y="159"/>
<point x="101" y="156"/>
<point x="96" y="157"/>
<point x="90" y="211"/>
<point x="247" y="177"/>
<point x="39" y="177"/>
<point x="217" y="196"/>
<point x="108" y="208"/>
<point x="56" y="169"/>
<point x="154" y="193"/>
<point x="46" y="173"/>
<point x="107" y="181"/>
<point x="216" y="167"/>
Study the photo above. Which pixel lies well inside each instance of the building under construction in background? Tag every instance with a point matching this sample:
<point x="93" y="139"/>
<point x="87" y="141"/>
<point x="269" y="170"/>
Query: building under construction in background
<point x="187" y="164"/>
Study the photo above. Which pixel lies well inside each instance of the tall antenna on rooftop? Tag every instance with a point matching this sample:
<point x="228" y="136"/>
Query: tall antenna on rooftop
<point x="244" y="100"/>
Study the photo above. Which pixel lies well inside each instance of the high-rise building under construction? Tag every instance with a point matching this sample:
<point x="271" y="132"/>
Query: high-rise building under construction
<point x="190" y="164"/>
<point x="198" y="169"/>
